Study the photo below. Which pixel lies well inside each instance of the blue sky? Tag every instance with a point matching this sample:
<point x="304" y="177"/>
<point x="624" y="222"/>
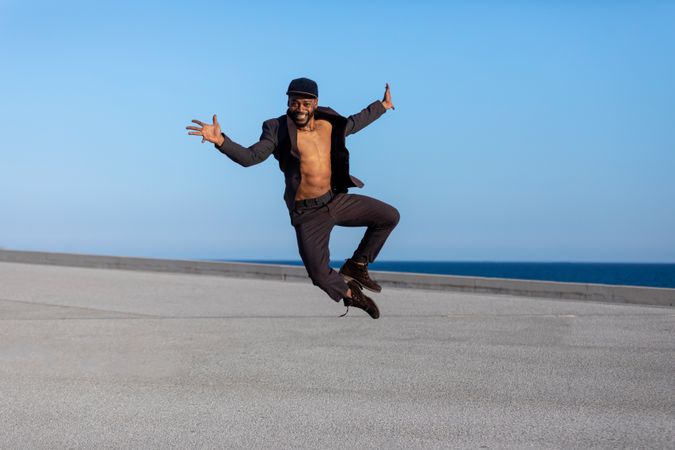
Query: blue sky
<point x="523" y="131"/>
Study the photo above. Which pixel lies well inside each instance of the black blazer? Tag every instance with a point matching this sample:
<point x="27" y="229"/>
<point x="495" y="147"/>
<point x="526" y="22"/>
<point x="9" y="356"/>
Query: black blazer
<point x="279" y="137"/>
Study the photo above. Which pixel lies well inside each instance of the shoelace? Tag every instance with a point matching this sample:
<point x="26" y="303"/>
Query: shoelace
<point x="347" y="306"/>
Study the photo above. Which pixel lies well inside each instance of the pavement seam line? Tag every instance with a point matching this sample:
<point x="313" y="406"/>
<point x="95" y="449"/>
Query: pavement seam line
<point x="391" y="316"/>
<point x="140" y="315"/>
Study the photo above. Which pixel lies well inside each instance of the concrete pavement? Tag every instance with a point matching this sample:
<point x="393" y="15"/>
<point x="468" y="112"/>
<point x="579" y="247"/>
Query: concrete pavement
<point x="101" y="358"/>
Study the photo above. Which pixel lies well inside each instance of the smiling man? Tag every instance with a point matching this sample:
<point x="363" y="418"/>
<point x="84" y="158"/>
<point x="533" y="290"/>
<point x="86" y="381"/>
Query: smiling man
<point x="309" y="143"/>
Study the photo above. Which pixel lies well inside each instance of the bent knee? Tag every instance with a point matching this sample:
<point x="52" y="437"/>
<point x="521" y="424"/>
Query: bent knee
<point x="393" y="217"/>
<point x="397" y="216"/>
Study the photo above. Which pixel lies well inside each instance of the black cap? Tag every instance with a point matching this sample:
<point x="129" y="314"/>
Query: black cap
<point x="303" y="86"/>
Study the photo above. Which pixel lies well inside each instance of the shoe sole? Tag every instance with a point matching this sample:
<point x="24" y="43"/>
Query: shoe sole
<point x="361" y="285"/>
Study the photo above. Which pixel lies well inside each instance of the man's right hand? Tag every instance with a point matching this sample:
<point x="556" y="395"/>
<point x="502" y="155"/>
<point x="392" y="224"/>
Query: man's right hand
<point x="208" y="132"/>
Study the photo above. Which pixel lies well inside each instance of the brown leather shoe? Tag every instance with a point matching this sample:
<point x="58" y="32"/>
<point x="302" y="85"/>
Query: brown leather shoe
<point x="361" y="301"/>
<point x="350" y="270"/>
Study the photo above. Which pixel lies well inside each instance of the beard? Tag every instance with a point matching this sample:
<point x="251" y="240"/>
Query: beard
<point x="301" y="119"/>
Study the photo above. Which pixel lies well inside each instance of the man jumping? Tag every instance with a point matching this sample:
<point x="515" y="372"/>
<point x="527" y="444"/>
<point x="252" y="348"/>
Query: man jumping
<point x="309" y="143"/>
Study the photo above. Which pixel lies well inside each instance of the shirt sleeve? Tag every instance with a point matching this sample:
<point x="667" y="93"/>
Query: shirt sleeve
<point x="365" y="117"/>
<point x="256" y="153"/>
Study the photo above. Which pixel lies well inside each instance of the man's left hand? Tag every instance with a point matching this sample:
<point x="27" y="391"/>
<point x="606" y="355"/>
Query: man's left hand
<point x="386" y="101"/>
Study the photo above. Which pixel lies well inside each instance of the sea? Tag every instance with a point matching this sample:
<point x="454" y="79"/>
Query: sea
<point x="629" y="274"/>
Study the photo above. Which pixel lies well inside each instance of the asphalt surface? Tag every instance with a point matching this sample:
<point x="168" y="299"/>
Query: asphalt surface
<point x="97" y="358"/>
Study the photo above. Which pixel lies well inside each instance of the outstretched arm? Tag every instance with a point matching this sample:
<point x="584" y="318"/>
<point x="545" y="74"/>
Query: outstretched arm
<point x="245" y="156"/>
<point x="368" y="115"/>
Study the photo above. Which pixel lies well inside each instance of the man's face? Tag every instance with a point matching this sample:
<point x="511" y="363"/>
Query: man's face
<point x="301" y="108"/>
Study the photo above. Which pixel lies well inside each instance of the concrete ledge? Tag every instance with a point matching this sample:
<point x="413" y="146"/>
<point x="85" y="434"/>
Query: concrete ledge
<point x="246" y="270"/>
<point x="528" y="288"/>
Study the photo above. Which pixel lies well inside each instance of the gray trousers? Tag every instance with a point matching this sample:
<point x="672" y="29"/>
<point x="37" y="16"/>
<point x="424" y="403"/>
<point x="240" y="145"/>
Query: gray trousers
<point x="314" y="220"/>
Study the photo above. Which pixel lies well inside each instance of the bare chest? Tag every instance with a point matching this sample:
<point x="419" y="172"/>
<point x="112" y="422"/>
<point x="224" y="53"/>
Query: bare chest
<point x="316" y="143"/>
